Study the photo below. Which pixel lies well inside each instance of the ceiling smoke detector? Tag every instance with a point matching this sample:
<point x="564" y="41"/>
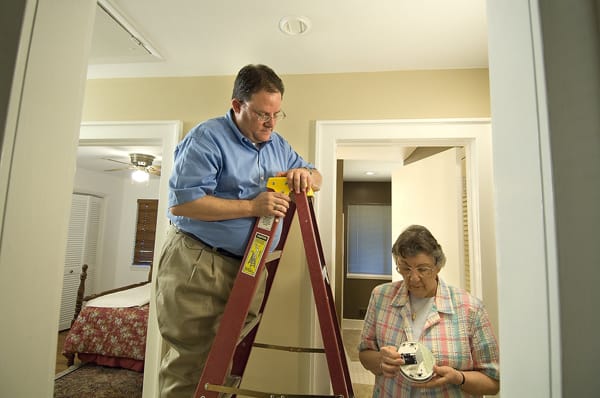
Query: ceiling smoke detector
<point x="294" y="25"/>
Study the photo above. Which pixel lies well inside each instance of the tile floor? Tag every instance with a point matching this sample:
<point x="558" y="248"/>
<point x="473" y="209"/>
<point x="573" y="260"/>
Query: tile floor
<point x="362" y="379"/>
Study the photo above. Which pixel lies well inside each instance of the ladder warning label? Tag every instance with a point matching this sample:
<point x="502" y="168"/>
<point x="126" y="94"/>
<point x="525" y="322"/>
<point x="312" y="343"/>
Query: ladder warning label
<point x="257" y="250"/>
<point x="266" y="222"/>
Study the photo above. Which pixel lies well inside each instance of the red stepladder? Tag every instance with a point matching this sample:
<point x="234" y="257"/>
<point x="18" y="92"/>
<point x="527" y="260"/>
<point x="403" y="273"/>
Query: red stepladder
<point x="228" y="357"/>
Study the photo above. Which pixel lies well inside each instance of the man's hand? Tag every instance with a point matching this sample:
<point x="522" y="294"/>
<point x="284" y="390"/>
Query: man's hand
<point x="301" y="179"/>
<point x="271" y="204"/>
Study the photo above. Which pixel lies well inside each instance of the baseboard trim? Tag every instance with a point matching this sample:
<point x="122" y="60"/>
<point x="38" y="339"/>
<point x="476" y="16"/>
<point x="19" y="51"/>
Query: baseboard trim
<point x="70" y="369"/>
<point x="356" y="324"/>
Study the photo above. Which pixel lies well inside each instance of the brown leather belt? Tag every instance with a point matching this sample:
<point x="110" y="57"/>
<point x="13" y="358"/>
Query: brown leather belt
<point x="217" y="250"/>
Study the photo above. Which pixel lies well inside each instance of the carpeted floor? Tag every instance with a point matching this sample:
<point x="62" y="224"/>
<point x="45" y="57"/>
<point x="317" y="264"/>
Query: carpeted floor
<point x="91" y="381"/>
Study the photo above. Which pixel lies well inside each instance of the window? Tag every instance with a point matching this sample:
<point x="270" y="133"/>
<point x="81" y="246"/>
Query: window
<point x="145" y="231"/>
<point x="369" y="241"/>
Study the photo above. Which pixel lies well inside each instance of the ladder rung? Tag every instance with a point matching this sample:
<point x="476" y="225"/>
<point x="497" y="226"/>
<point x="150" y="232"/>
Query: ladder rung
<point x="288" y="348"/>
<point x="274" y="255"/>
<point x="248" y="327"/>
<point x="260" y="394"/>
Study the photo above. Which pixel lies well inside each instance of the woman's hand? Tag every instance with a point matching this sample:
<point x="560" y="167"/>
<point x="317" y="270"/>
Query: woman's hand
<point x="474" y="382"/>
<point x="390" y="361"/>
<point x="442" y="375"/>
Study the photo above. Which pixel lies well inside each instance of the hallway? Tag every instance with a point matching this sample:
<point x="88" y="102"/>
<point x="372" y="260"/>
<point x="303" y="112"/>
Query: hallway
<point x="362" y="379"/>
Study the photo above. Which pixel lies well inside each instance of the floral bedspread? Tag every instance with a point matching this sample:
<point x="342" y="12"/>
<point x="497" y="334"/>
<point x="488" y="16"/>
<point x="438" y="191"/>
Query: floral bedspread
<point x="111" y="332"/>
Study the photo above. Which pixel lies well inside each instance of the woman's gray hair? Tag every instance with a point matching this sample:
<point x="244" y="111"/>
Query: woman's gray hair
<point x="415" y="240"/>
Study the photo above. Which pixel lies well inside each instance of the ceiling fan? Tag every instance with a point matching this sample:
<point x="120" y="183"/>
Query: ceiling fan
<point x="139" y="161"/>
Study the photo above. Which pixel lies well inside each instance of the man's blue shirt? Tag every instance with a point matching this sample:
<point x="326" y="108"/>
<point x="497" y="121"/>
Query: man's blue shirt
<point x="216" y="159"/>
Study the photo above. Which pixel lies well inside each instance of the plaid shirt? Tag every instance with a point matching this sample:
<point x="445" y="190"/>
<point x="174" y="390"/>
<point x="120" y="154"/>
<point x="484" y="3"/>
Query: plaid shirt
<point x="457" y="331"/>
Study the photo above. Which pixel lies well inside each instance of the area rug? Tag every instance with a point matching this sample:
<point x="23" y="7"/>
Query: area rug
<point x="92" y="381"/>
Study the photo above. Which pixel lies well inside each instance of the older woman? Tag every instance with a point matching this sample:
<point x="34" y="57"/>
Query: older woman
<point x="447" y="320"/>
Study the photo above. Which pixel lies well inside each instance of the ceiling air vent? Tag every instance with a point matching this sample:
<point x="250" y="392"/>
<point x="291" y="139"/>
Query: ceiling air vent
<point x="294" y="26"/>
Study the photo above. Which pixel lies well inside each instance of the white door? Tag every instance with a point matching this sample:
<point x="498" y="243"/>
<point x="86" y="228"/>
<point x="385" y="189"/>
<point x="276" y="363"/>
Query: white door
<point x="82" y="242"/>
<point x="428" y="192"/>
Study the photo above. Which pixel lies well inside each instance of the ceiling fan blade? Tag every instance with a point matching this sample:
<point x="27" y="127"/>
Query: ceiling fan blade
<point x="118" y="161"/>
<point x="154" y="170"/>
<point x="119" y="169"/>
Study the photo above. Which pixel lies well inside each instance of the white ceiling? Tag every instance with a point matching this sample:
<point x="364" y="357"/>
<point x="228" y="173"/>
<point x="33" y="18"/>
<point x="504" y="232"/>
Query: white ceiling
<point x="198" y="38"/>
<point x="96" y="157"/>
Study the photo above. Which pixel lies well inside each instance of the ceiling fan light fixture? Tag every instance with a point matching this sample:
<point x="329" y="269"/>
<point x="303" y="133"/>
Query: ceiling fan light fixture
<point x="141" y="162"/>
<point x="294" y="25"/>
<point x="140" y="176"/>
<point x="140" y="159"/>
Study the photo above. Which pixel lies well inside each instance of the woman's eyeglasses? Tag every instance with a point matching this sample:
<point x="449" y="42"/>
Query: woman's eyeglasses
<point x="423" y="272"/>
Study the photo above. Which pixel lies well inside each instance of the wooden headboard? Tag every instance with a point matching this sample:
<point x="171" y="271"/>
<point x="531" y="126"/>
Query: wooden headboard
<point x="81" y="290"/>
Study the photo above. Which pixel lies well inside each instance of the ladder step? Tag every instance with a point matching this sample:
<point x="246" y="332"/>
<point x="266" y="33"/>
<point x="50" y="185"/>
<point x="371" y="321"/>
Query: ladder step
<point x="274" y="255"/>
<point x="260" y="394"/>
<point x="288" y="348"/>
<point x="248" y="327"/>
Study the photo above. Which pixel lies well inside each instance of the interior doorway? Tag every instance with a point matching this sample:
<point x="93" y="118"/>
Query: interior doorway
<point x="429" y="192"/>
<point x="332" y="137"/>
<point x="165" y="134"/>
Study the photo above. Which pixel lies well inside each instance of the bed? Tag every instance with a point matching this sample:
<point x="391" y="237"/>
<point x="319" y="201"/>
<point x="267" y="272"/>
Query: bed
<point x="109" y="328"/>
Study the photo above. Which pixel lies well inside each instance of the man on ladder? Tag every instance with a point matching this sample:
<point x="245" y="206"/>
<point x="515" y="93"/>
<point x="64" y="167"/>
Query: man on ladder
<point x="231" y="348"/>
<point x="217" y="189"/>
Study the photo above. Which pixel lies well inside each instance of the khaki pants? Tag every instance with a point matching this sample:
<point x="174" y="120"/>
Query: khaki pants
<point x="193" y="285"/>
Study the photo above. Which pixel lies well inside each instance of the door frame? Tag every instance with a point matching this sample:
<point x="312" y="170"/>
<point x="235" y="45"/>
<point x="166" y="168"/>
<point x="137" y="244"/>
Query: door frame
<point x="474" y="134"/>
<point x="167" y="134"/>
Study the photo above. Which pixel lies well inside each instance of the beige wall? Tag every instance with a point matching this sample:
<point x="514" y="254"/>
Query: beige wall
<point x="389" y="95"/>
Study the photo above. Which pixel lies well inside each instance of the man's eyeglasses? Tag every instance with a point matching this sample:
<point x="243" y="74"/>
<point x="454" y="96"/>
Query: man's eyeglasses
<point x="423" y="272"/>
<point x="267" y="117"/>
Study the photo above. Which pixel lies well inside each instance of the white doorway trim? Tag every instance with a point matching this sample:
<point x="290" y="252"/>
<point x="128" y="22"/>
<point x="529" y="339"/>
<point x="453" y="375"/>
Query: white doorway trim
<point x="167" y="134"/>
<point x="473" y="134"/>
